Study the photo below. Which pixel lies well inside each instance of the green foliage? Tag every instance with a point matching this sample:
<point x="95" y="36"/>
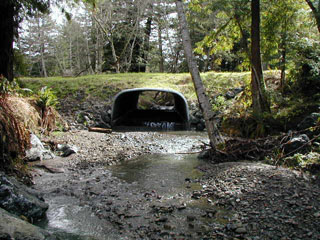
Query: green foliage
<point x="20" y="64"/>
<point x="219" y="104"/>
<point x="217" y="35"/>
<point x="6" y="86"/>
<point x="281" y="20"/>
<point x="46" y="98"/>
<point x="309" y="162"/>
<point x="305" y="77"/>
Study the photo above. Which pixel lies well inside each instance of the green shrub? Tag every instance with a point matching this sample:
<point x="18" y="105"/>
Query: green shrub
<point x="46" y="100"/>
<point x="305" y="77"/>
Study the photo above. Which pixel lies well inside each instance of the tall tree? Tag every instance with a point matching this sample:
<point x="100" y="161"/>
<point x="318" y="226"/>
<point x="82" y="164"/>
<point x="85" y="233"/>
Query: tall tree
<point x="315" y="7"/>
<point x="10" y="17"/>
<point x="8" y="26"/>
<point x="259" y="100"/>
<point x="36" y="40"/>
<point x="205" y="106"/>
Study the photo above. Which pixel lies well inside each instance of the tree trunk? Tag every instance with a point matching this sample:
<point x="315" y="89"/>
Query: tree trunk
<point x="89" y="56"/>
<point x="147" y="43"/>
<point x="206" y="108"/>
<point x="283" y="59"/>
<point x="70" y="55"/>
<point x="259" y="99"/>
<point x="131" y="54"/>
<point x="315" y="11"/>
<point x="43" y="72"/>
<point x="115" y="57"/>
<point x="7" y="27"/>
<point x="161" y="63"/>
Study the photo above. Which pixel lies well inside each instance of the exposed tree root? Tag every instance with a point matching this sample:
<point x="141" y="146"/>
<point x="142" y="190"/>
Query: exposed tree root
<point x="237" y="149"/>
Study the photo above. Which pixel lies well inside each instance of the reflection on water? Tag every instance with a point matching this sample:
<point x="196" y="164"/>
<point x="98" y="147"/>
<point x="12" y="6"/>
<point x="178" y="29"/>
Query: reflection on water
<point x="164" y="173"/>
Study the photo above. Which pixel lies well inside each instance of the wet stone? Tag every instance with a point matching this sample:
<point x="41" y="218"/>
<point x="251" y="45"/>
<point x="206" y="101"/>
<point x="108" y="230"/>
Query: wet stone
<point x="191" y="218"/>
<point x="241" y="230"/>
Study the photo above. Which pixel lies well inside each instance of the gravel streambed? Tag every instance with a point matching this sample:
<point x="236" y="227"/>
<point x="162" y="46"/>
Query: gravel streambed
<point x="239" y="200"/>
<point x="266" y="202"/>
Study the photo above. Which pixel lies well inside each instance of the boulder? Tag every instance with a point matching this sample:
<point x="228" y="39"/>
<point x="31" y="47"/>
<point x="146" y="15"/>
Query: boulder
<point x="37" y="150"/>
<point x="204" y="155"/>
<point x="201" y="125"/>
<point x="11" y="227"/>
<point x="297" y="144"/>
<point x="66" y="149"/>
<point x="309" y="121"/>
<point x="19" y="200"/>
<point x="106" y="117"/>
<point x="229" y="95"/>
<point x="232" y="93"/>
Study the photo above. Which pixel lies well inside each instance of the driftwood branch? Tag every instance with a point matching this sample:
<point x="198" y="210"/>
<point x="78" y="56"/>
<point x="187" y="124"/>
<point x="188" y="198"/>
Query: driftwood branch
<point x="101" y="130"/>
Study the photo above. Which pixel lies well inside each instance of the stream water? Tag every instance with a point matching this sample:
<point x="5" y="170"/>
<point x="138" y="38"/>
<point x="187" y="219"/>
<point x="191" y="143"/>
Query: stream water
<point x="170" y="208"/>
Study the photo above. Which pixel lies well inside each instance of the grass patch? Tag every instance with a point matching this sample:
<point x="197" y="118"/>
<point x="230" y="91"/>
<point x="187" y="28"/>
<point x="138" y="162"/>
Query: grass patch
<point x="104" y="86"/>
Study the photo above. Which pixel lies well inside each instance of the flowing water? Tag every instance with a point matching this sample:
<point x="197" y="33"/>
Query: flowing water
<point x="168" y="176"/>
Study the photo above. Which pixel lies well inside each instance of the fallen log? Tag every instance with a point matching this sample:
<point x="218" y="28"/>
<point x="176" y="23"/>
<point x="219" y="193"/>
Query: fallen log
<point x="101" y="130"/>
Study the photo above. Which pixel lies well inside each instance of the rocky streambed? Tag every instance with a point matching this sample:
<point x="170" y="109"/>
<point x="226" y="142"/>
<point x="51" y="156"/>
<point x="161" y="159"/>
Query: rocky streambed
<point x="151" y="186"/>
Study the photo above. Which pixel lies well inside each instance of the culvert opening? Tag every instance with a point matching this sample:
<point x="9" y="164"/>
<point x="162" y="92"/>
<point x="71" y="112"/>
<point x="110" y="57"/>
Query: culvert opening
<point x="148" y="109"/>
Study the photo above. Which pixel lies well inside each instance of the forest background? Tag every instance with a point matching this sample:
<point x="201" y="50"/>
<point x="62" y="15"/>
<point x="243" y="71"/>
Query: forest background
<point x="143" y="36"/>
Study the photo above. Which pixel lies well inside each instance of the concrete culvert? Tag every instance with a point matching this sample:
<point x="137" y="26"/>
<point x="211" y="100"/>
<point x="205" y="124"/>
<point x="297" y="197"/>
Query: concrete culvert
<point x="149" y="109"/>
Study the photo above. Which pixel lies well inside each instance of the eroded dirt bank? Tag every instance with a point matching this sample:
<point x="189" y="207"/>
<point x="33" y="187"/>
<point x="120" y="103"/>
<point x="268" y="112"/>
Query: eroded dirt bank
<point x="229" y="201"/>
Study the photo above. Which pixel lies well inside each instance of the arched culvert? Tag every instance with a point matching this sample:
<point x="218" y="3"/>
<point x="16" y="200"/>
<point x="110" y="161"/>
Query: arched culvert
<point x="149" y="109"/>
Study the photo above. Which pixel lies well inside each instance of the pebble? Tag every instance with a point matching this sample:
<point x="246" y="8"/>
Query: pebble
<point x="241" y="230"/>
<point x="191" y="218"/>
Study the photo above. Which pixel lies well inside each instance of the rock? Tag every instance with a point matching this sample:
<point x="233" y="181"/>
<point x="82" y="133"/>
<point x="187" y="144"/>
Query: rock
<point x="238" y="90"/>
<point x="182" y="206"/>
<point x="317" y="214"/>
<point x="241" y="230"/>
<point x="106" y="117"/>
<point x="12" y="227"/>
<point x="296" y="143"/>
<point x="102" y="124"/>
<point x="232" y="93"/>
<point x="205" y="154"/>
<point x="194" y="120"/>
<point x="309" y="121"/>
<point x="168" y="227"/>
<point x="196" y="195"/>
<point x="229" y="95"/>
<point x="200" y="126"/>
<point x="37" y="150"/>
<point x="66" y="149"/>
<point x="84" y="118"/>
<point x="19" y="200"/>
<point x="191" y="218"/>
<point x="162" y="219"/>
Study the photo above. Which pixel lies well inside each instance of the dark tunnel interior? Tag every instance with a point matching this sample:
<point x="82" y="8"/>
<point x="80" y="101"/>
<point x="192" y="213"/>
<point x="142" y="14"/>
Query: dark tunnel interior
<point x="147" y="109"/>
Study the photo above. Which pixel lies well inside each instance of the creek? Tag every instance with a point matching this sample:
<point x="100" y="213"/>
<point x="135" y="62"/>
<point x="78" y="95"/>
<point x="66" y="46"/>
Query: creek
<point x="147" y="197"/>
